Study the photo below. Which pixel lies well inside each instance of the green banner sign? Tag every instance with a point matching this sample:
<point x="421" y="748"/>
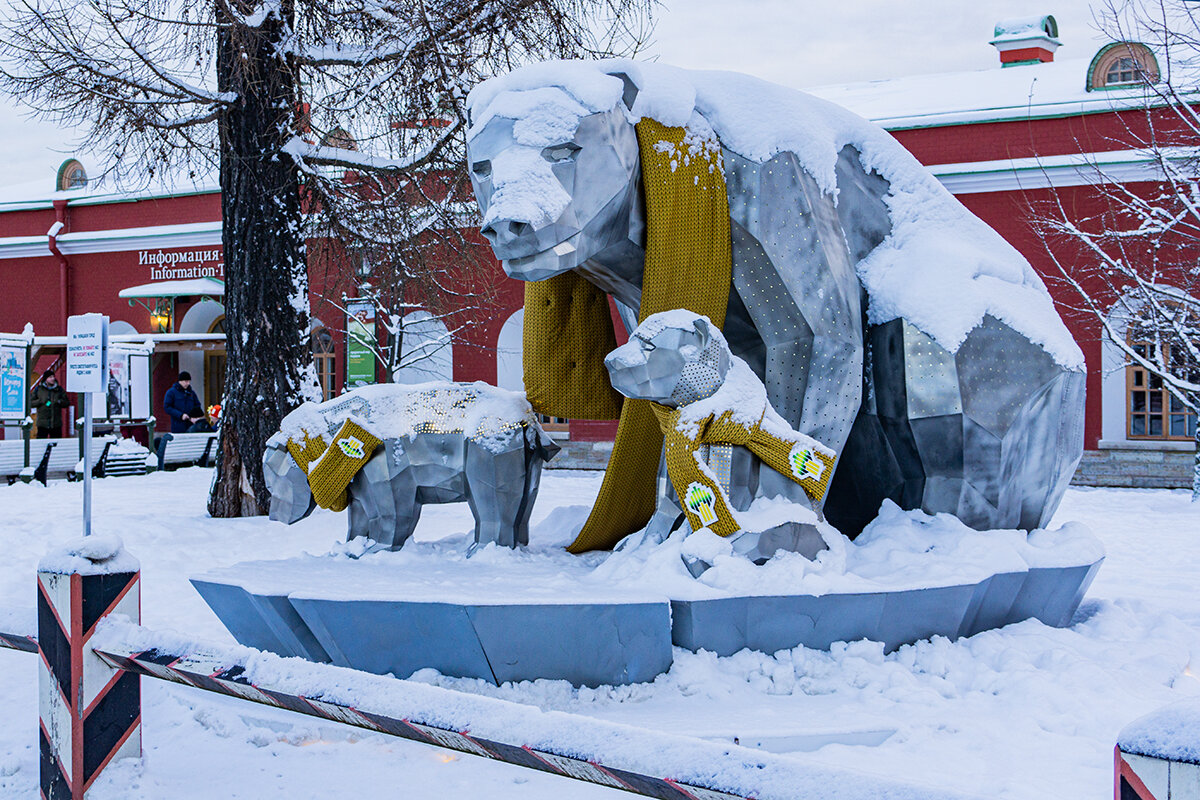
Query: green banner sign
<point x="360" y="339"/>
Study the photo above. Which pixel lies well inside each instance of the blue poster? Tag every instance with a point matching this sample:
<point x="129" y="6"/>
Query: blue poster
<point x="12" y="382"/>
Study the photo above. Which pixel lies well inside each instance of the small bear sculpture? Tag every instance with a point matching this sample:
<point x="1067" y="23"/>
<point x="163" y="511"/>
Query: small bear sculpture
<point x="725" y="446"/>
<point x="385" y="451"/>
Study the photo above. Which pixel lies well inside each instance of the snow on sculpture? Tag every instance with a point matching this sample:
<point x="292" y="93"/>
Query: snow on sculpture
<point x="884" y="319"/>
<point x="384" y="451"/>
<point x="724" y="445"/>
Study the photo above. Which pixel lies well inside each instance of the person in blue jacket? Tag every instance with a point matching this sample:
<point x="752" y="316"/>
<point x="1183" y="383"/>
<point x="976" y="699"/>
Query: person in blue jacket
<point x="182" y="405"/>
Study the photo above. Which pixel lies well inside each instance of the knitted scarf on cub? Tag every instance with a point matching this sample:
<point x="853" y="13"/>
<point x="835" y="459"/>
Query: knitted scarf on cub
<point x="569" y="329"/>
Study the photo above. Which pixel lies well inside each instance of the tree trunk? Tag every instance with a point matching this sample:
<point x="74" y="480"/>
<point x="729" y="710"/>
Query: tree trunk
<point x="266" y="281"/>
<point x="1196" y="466"/>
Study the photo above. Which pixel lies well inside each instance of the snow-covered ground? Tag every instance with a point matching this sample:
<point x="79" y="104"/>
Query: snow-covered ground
<point x="1024" y="712"/>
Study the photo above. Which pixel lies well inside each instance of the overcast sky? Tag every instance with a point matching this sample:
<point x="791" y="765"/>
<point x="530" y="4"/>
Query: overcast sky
<point x="792" y="42"/>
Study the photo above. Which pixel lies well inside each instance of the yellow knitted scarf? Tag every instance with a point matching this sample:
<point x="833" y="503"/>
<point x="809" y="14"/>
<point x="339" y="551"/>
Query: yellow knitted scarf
<point x="331" y="466"/>
<point x="703" y="499"/>
<point x="688" y="265"/>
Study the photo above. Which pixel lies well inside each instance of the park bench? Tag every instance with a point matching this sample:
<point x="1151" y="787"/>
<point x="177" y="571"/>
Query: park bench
<point x="185" y="449"/>
<point x="59" y="457"/>
<point x="12" y="458"/>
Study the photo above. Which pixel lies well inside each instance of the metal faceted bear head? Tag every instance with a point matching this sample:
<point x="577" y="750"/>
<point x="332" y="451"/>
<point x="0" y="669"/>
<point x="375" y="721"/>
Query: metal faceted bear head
<point x="674" y="358"/>
<point x="557" y="183"/>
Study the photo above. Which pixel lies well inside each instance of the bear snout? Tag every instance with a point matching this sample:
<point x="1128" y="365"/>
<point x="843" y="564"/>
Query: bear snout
<point x="624" y="357"/>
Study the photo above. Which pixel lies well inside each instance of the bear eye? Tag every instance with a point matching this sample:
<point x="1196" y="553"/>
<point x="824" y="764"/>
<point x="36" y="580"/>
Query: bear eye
<point x="558" y="153"/>
<point x="482" y="169"/>
<point x="646" y="344"/>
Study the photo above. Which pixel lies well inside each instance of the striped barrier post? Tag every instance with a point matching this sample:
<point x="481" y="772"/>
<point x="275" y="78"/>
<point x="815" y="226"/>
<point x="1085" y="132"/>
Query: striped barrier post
<point x="90" y="713"/>
<point x="1158" y="756"/>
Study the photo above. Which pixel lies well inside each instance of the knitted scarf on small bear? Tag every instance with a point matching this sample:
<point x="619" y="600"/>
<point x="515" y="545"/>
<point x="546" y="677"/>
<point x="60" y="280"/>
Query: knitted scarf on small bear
<point x="704" y="502"/>
<point x="331" y="466"/>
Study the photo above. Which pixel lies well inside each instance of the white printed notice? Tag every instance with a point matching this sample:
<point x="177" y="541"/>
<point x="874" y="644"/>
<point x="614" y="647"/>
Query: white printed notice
<point x="87" y="353"/>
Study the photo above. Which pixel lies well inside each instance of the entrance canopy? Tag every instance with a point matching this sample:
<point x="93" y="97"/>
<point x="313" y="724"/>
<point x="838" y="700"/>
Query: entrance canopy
<point x="210" y="287"/>
<point x="157" y="342"/>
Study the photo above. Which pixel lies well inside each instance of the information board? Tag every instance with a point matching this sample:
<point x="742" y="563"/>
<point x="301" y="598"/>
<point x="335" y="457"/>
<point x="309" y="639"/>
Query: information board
<point x="139" y="385"/>
<point x="87" y="353"/>
<point x="126" y="393"/>
<point x="360" y="338"/>
<point x="14" y="378"/>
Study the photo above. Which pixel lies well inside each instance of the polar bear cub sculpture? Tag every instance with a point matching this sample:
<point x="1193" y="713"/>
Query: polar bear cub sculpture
<point x="680" y="360"/>
<point x="439" y="443"/>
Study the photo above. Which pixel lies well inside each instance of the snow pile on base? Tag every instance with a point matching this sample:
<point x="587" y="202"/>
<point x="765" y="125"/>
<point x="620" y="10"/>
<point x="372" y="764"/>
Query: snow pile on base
<point x="941" y="268"/>
<point x="485" y="413"/>
<point x="1172" y="733"/>
<point x="899" y="550"/>
<point x="91" y="555"/>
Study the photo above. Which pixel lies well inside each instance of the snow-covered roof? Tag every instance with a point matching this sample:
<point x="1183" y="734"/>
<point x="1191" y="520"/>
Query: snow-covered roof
<point x="211" y="287"/>
<point x="39" y="194"/>
<point x="1054" y="89"/>
<point x="1023" y="28"/>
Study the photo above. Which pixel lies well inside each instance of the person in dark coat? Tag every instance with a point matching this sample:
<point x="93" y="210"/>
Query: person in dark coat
<point x="49" y="400"/>
<point x="182" y="405"/>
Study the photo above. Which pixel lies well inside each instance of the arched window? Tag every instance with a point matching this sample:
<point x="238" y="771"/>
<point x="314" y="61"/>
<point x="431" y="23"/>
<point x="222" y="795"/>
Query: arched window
<point x="1122" y="64"/>
<point x="325" y="361"/>
<point x="214" y="369"/>
<point x="71" y="175"/>
<point x="1153" y="412"/>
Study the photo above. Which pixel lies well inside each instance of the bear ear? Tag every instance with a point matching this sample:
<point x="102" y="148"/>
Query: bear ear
<point x="630" y="92"/>
<point x="703" y="327"/>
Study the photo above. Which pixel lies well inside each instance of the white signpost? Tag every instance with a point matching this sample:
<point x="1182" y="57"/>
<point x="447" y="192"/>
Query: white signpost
<point x="87" y="373"/>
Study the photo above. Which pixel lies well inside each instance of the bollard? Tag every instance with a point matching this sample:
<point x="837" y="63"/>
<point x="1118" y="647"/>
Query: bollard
<point x="90" y="713"/>
<point x="1158" y="756"/>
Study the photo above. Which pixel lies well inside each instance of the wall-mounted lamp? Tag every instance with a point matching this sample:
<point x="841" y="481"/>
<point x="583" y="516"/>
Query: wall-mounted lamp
<point x="160" y="316"/>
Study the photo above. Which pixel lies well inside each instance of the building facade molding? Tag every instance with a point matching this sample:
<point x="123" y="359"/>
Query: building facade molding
<point x="195" y="234"/>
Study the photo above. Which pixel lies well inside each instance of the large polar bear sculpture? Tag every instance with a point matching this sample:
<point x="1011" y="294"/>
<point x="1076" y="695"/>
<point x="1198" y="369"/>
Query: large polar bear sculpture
<point x="885" y="320"/>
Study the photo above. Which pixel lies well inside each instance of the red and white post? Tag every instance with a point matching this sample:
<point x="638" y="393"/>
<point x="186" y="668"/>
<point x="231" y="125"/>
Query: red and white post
<point x="90" y="713"/>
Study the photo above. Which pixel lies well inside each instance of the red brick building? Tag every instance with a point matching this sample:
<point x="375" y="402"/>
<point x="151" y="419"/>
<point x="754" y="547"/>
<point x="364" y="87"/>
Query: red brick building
<point x="1001" y="140"/>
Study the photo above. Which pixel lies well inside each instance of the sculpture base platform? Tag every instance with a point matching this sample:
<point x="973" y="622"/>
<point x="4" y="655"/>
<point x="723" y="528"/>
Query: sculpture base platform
<point x="390" y="618"/>
<point x="397" y="627"/>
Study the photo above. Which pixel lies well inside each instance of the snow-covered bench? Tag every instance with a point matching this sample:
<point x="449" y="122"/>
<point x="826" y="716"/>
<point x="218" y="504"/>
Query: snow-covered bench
<point x="126" y="457"/>
<point x="185" y="449"/>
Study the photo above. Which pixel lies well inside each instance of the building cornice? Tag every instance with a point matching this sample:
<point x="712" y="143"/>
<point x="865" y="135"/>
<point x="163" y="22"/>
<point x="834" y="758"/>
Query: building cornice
<point x="1005" y="175"/>
<point x="195" y="234"/>
<point x="1023" y="174"/>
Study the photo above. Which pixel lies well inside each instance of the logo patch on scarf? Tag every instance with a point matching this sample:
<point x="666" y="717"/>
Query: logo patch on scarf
<point x="805" y="464"/>
<point x="701" y="502"/>
<point x="351" y="446"/>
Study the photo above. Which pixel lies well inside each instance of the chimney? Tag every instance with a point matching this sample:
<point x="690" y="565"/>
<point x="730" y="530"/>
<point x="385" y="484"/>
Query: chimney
<point x="1028" y="40"/>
